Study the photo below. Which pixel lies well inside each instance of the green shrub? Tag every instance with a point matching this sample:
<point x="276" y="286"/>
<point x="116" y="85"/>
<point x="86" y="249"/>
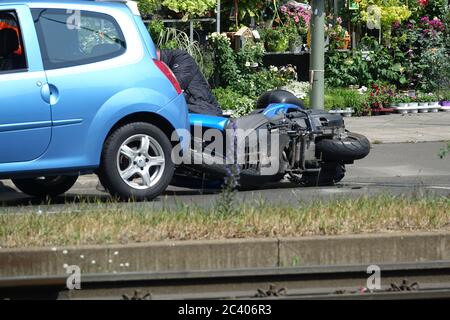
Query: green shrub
<point x="147" y="7"/>
<point x="250" y="57"/>
<point x="226" y="71"/>
<point x="229" y="99"/>
<point x="156" y="29"/>
<point x="341" y="98"/>
<point x="255" y="84"/>
<point x="190" y="8"/>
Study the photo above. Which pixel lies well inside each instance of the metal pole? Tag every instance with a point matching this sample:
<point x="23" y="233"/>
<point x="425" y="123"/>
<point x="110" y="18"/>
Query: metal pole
<point x="317" y="62"/>
<point x="335" y="10"/>
<point x="218" y="16"/>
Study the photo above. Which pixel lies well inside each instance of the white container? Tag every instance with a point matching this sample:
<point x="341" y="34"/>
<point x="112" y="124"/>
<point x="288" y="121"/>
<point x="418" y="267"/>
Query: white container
<point x="434" y="104"/>
<point x="348" y="112"/>
<point x="413" y="104"/>
<point x="403" y="104"/>
<point x="446" y="108"/>
<point x="402" y="110"/>
<point x="423" y="107"/>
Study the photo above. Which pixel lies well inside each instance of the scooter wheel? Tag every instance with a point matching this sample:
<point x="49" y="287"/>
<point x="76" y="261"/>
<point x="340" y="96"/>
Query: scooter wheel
<point x="348" y="149"/>
<point x="329" y="175"/>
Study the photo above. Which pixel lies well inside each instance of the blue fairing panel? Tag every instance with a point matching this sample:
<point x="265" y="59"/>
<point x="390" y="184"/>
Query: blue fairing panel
<point x="274" y="109"/>
<point x="207" y="121"/>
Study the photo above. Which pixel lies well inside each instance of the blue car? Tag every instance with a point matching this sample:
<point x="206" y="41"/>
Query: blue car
<point x="82" y="91"/>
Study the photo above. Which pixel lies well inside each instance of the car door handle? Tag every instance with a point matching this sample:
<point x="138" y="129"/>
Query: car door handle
<point x="45" y="92"/>
<point x="50" y="93"/>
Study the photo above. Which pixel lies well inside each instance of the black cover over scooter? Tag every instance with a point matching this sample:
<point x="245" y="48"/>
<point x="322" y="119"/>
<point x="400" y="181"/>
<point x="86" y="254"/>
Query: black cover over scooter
<point x="278" y="96"/>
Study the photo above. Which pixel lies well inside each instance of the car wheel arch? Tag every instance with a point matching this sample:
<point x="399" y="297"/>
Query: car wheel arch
<point x="144" y="116"/>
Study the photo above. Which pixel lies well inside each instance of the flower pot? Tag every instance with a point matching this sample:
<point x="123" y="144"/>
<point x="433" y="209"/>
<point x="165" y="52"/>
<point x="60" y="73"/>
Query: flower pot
<point x="423" y="104"/>
<point x="402" y="109"/>
<point x="296" y="45"/>
<point x="445" y="103"/>
<point x="402" y="104"/>
<point x="413" y="104"/>
<point x="347" y="112"/>
<point x="345" y="42"/>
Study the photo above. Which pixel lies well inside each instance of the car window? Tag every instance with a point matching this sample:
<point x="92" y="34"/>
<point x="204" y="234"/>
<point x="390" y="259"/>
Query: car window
<point x="12" y="55"/>
<point x="70" y="38"/>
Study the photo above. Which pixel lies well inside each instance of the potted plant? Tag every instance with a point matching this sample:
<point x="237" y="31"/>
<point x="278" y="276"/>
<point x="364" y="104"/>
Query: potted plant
<point x="276" y="39"/>
<point x="403" y="101"/>
<point x="295" y="17"/>
<point x="413" y="105"/>
<point x="186" y="9"/>
<point x="396" y="101"/>
<point x="295" y="43"/>
<point x="433" y="101"/>
<point x="423" y="99"/>
<point x="338" y="35"/>
<point x="445" y="100"/>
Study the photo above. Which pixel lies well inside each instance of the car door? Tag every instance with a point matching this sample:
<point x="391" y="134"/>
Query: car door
<point x="83" y="52"/>
<point x="25" y="115"/>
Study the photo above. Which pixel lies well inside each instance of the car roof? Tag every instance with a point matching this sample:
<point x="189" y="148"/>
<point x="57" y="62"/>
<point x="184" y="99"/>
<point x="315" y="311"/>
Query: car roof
<point x="43" y="3"/>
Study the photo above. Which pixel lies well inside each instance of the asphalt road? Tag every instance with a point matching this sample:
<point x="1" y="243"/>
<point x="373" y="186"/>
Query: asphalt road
<point x="396" y="169"/>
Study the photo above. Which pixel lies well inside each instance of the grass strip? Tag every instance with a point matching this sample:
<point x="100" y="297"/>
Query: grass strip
<point x="118" y="225"/>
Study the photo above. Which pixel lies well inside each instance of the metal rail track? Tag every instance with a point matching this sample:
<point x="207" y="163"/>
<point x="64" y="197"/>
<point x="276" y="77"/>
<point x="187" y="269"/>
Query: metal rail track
<point x="320" y="282"/>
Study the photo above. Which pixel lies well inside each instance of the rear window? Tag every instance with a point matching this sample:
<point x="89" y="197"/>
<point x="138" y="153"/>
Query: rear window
<point x="70" y="37"/>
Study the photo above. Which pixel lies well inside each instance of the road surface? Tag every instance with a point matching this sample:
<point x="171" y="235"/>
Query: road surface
<point x="396" y="169"/>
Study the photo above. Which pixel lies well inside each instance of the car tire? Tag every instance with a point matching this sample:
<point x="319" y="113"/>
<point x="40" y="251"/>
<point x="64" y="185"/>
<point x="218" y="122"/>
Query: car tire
<point x="348" y="149"/>
<point x="329" y="175"/>
<point x="51" y="186"/>
<point x="136" y="162"/>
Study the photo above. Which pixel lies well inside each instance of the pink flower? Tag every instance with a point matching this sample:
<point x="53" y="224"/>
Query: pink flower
<point x="283" y="9"/>
<point x="339" y="20"/>
<point x="296" y="19"/>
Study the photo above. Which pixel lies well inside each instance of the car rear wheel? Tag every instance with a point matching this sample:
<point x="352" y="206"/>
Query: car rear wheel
<point x="51" y="186"/>
<point x="136" y="162"/>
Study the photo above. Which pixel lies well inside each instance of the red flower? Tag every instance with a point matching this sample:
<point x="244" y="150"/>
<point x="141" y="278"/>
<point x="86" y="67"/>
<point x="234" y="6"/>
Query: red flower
<point x="423" y="3"/>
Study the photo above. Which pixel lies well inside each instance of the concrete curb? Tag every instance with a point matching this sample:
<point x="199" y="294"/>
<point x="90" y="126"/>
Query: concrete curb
<point x="228" y="254"/>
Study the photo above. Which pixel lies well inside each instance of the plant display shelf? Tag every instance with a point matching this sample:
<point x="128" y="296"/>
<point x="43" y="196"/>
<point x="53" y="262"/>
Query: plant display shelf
<point x="191" y="24"/>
